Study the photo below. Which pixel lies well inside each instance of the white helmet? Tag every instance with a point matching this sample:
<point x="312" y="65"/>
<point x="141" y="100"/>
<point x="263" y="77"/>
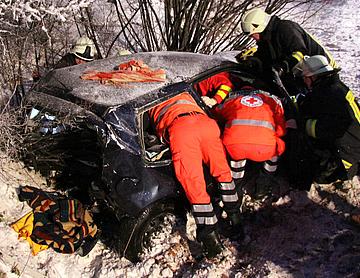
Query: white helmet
<point x="254" y="21"/>
<point x="84" y="49"/>
<point x="313" y="65"/>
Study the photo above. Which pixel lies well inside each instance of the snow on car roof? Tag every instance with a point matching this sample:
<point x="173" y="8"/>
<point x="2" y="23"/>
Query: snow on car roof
<point x="178" y="66"/>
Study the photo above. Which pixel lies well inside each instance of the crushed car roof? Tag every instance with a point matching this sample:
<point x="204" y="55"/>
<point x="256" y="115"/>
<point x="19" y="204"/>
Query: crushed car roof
<point x="179" y="66"/>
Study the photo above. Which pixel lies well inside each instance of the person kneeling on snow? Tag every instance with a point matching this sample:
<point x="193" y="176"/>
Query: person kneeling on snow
<point x="194" y="139"/>
<point x="331" y="114"/>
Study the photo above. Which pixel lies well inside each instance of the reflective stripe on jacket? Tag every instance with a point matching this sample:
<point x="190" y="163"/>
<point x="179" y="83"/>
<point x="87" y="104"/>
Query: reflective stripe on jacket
<point x="285" y="40"/>
<point x="332" y="116"/>
<point x="217" y="86"/>
<point x="252" y="117"/>
<point x="163" y="116"/>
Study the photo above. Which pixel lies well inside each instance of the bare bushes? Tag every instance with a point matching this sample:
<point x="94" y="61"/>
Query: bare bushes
<point x="11" y="133"/>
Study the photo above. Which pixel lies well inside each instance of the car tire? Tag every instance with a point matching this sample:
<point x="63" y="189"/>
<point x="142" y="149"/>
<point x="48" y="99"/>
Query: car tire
<point x="137" y="233"/>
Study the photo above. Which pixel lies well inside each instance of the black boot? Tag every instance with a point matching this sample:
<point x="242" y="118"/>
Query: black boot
<point x="211" y="244"/>
<point x="263" y="186"/>
<point x="236" y="229"/>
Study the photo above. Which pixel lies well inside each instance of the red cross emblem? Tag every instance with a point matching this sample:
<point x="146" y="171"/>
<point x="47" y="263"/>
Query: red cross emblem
<point x="252" y="101"/>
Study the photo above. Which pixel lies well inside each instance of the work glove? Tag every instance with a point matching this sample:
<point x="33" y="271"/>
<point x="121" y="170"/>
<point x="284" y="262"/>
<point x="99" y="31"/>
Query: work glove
<point x="251" y="64"/>
<point x="291" y="123"/>
<point x="299" y="98"/>
<point x="281" y="67"/>
<point x="209" y="102"/>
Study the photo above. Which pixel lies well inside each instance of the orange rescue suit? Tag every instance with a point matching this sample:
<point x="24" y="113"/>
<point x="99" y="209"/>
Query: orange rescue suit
<point x="254" y="122"/>
<point x="194" y="138"/>
<point x="217" y="86"/>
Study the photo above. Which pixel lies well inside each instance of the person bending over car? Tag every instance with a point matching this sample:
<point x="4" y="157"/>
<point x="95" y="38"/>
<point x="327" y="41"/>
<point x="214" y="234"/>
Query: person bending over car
<point x="330" y="112"/>
<point x="194" y="139"/>
<point x="281" y="44"/>
<point x="254" y="123"/>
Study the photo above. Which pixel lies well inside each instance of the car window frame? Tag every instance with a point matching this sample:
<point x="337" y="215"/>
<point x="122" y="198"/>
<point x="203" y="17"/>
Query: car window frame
<point x="140" y="123"/>
<point x="189" y="87"/>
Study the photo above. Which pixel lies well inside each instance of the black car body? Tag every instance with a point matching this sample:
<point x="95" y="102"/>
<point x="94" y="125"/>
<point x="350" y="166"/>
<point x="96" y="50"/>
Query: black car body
<point x="131" y="177"/>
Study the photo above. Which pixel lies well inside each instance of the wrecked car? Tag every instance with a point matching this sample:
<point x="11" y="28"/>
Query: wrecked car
<point x="98" y="136"/>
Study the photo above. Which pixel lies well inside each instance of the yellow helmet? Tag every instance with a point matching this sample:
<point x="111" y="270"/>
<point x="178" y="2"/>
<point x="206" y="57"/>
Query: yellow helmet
<point x="254" y="21"/>
<point x="84" y="49"/>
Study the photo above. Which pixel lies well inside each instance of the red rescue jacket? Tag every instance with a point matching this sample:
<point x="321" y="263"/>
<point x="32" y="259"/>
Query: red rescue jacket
<point x="165" y="113"/>
<point x="252" y="117"/>
<point x="217" y="86"/>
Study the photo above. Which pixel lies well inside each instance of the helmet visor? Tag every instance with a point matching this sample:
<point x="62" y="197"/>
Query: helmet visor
<point x="86" y="55"/>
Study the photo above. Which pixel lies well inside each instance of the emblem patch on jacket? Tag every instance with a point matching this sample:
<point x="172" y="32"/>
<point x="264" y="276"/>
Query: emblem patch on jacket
<point x="252" y="101"/>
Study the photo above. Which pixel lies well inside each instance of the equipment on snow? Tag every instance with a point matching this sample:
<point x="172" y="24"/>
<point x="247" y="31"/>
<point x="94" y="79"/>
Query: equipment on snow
<point x="58" y="222"/>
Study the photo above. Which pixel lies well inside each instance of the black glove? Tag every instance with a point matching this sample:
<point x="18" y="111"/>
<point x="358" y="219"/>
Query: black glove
<point x="281" y="67"/>
<point x="252" y="64"/>
<point x="299" y="99"/>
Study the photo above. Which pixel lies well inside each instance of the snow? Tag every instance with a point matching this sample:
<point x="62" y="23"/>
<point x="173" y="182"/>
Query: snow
<point x="337" y="27"/>
<point x="306" y="234"/>
<point x="37" y="10"/>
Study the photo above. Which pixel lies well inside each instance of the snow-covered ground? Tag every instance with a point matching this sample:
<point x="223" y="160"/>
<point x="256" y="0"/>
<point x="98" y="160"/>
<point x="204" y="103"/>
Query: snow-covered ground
<point x="304" y="234"/>
<point x="338" y="28"/>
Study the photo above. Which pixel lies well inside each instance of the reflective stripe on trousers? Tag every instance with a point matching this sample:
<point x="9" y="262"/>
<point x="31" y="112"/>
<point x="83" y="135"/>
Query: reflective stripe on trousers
<point x="271" y="165"/>
<point x="228" y="192"/>
<point x="230" y="197"/>
<point x="237" y="168"/>
<point x="204" y="214"/>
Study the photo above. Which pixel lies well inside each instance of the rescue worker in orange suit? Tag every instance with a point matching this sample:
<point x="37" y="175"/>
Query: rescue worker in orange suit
<point x="194" y="139"/>
<point x="253" y="120"/>
<point x="215" y="89"/>
<point x="254" y="123"/>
